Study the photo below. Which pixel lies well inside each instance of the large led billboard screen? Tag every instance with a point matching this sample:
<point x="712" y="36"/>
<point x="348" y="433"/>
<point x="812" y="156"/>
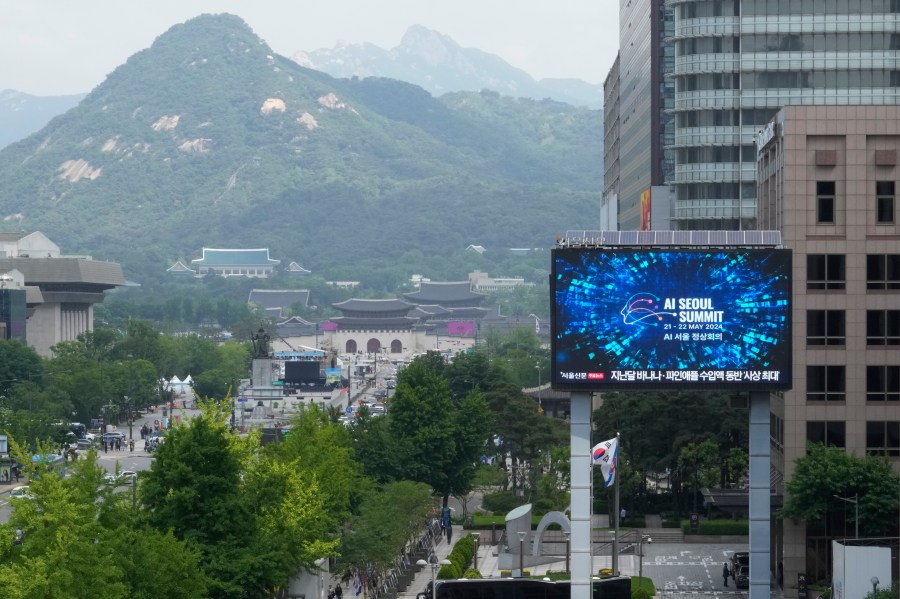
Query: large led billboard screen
<point x="626" y="318"/>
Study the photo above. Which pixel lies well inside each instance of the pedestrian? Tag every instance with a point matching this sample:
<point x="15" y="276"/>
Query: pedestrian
<point x="449" y="534"/>
<point x="338" y="592"/>
<point x="725" y="573"/>
<point x="622" y="515"/>
<point x="104" y="446"/>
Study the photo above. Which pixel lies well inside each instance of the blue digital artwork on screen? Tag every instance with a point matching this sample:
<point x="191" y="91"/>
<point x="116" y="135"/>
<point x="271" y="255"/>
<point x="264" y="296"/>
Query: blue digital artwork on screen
<point x="662" y="318"/>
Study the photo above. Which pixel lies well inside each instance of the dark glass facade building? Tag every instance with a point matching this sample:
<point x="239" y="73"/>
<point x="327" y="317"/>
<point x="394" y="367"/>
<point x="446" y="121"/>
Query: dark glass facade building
<point x="12" y="314"/>
<point x="644" y="104"/>
<point x="737" y="62"/>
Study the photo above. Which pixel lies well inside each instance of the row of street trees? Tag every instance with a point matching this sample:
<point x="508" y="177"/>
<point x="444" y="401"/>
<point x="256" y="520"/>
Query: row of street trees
<point x="105" y="374"/>
<point x="237" y="519"/>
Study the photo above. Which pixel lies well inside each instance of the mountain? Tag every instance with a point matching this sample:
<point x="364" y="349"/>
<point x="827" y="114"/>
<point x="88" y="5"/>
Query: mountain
<point x="208" y="138"/>
<point x="438" y="64"/>
<point x="22" y="114"/>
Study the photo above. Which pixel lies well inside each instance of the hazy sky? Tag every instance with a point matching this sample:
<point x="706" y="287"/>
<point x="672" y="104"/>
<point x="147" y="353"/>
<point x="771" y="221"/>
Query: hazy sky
<point x="50" y="47"/>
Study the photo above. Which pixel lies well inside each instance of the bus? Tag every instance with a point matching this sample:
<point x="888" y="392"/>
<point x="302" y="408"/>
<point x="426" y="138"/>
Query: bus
<point x="48" y="462"/>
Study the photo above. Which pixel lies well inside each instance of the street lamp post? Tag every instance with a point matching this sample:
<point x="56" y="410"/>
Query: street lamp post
<point x="874" y="580"/>
<point x="641" y="557"/>
<point x="475" y="557"/>
<point x="855" y="501"/>
<point x="568" y="547"/>
<point x="434" y="569"/>
<point x="522" y="536"/>
<point x="128" y="403"/>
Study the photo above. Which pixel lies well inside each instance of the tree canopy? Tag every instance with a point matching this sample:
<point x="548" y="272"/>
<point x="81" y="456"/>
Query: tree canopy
<point x="825" y="473"/>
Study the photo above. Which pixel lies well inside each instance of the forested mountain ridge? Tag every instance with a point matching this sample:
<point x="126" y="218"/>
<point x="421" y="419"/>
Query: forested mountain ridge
<point x="208" y="138"/>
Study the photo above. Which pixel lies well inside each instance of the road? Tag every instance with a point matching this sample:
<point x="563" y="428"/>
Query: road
<point x="690" y="568"/>
<point x="135" y="461"/>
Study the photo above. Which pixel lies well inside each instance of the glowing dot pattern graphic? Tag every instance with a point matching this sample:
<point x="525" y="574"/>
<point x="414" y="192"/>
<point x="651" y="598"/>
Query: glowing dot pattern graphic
<point x="610" y="310"/>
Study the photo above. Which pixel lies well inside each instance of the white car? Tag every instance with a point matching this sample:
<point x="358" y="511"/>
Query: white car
<point x="21" y="492"/>
<point x="117" y="480"/>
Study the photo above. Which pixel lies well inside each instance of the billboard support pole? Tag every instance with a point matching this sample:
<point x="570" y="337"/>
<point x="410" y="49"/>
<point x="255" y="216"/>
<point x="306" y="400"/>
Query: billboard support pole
<point x="760" y="502"/>
<point x="580" y="476"/>
<point x="616" y="512"/>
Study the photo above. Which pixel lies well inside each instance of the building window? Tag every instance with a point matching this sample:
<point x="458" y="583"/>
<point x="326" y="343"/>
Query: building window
<point x="884" y="202"/>
<point x="825" y="327"/>
<point x="883" y="271"/>
<point x="882" y="327"/>
<point x="831" y="433"/>
<point x="825" y="202"/>
<point x="883" y="438"/>
<point x="826" y="271"/>
<point x="825" y="383"/>
<point x="883" y="383"/>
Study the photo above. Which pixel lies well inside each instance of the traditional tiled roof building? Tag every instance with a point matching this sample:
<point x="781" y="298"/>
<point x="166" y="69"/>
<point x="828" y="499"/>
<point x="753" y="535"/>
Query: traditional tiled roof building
<point x="180" y="269"/>
<point x="236" y="263"/>
<point x="277" y="301"/>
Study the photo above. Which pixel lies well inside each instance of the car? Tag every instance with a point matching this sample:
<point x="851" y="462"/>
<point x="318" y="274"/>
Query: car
<point x="742" y="577"/>
<point x="21" y="492"/>
<point x="84" y="444"/>
<point x="122" y="478"/>
<point x="380" y="393"/>
<point x="738" y="559"/>
<point x="391" y="384"/>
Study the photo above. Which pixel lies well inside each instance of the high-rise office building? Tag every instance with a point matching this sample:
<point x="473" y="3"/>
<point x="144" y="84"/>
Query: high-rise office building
<point x="828" y="180"/>
<point x="638" y="101"/>
<point x="737" y="62"/>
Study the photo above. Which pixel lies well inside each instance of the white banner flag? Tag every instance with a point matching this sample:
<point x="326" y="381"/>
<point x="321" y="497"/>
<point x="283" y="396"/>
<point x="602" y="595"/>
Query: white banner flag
<point x="605" y="454"/>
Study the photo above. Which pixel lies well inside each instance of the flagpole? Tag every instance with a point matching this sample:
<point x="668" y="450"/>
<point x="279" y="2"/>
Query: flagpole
<point x="615" y="548"/>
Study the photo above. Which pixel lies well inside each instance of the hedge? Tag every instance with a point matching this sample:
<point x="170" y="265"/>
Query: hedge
<point x="718" y="527"/>
<point x="460" y="557"/>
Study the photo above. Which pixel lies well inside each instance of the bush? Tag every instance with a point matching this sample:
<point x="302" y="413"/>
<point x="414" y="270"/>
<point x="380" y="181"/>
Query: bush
<point x="449" y="572"/>
<point x="718" y="527"/>
<point x="542" y="506"/>
<point x="501" y="502"/>
<point x="634" y="521"/>
<point x="640" y="593"/>
<point x="674" y="523"/>
<point x="642" y="588"/>
<point x="472" y="573"/>
<point x="460" y="557"/>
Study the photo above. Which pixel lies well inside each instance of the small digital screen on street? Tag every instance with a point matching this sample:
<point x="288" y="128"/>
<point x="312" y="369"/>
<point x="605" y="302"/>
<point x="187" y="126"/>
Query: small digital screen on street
<point x="626" y="318"/>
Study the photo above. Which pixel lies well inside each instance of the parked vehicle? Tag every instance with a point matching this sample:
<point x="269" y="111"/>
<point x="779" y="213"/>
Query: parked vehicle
<point x="738" y="559"/>
<point x="122" y="478"/>
<point x="742" y="577"/>
<point x="21" y="492"/>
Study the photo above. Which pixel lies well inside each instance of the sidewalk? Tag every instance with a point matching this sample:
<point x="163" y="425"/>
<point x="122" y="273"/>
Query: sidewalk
<point x="486" y="563"/>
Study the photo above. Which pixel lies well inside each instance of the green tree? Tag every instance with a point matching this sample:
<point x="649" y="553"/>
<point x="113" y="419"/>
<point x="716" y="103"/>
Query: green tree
<point x="194" y="489"/>
<point x="255" y="520"/>
<point x="824" y="472"/>
<point x="699" y="465"/>
<point x="437" y="440"/>
<point x="388" y="519"/>
<point x="323" y="450"/>
<point x="18" y="363"/>
<point x="79" y="541"/>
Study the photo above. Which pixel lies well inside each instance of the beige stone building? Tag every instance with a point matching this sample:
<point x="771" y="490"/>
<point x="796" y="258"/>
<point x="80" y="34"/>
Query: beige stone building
<point x="827" y="179"/>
